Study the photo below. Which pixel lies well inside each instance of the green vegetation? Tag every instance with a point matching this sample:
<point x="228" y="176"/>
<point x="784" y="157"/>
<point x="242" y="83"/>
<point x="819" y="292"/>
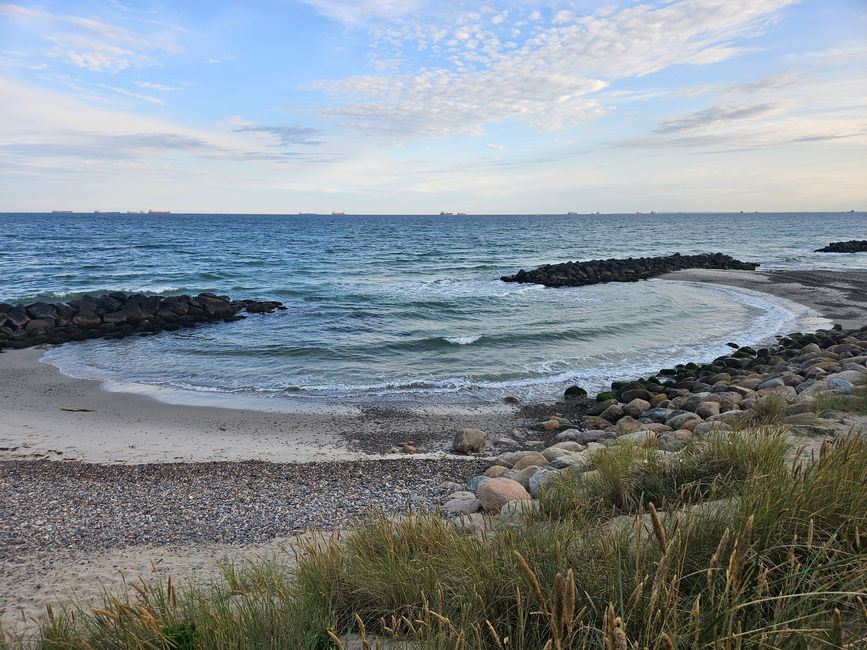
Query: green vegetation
<point x="855" y="402"/>
<point x="777" y="560"/>
<point x="769" y="409"/>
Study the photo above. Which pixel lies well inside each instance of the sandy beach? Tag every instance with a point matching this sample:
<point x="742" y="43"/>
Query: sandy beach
<point x="104" y="486"/>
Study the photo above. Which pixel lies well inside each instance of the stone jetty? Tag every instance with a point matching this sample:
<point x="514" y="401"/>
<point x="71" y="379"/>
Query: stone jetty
<point x="115" y="315"/>
<point x="783" y="387"/>
<point x="851" y="246"/>
<point x="631" y="269"/>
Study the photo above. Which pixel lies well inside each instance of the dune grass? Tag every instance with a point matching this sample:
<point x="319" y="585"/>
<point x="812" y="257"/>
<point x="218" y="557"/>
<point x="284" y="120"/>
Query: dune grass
<point x="855" y="402"/>
<point x="779" y="563"/>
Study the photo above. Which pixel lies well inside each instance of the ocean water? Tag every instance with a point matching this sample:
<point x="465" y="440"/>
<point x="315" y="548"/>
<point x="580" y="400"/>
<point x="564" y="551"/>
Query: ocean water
<point x="408" y="308"/>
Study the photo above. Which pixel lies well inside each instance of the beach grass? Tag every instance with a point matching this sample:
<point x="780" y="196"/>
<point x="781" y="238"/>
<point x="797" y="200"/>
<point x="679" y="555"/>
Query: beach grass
<point x="854" y="402"/>
<point x="728" y="547"/>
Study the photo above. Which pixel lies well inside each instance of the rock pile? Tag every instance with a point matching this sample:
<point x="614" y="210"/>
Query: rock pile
<point x="851" y="246"/>
<point x="114" y="315"/>
<point x="579" y="274"/>
<point x="775" y="386"/>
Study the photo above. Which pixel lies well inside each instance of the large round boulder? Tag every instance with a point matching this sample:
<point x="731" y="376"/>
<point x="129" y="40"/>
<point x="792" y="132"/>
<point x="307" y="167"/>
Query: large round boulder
<point x="470" y="441"/>
<point x="496" y="492"/>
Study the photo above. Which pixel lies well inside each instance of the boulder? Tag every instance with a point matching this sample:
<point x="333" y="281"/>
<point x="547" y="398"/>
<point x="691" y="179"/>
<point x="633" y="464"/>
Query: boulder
<point x="637" y="393"/>
<point x="660" y="415"/>
<point x="496" y="492"/>
<point x="776" y="382"/>
<point x="575" y="392"/>
<point x="674" y="440"/>
<point x="707" y="409"/>
<point x="521" y="476"/>
<point x="38" y="324"/>
<point x="635" y="408"/>
<point x="41" y="311"/>
<point x="706" y="428"/>
<point x="834" y="382"/>
<point x="531" y="458"/>
<point x="579" y="460"/>
<point x="16" y="318"/>
<point x="583" y="437"/>
<point x="541" y="479"/>
<point x="599" y="407"/>
<point x="514" y="512"/>
<point x="87" y="319"/>
<point x="495" y="470"/>
<point x="568" y="445"/>
<point x="612" y="414"/>
<point x="592" y="422"/>
<point x="678" y="421"/>
<point x="628" y="425"/>
<point x="462" y="506"/>
<point x="470" y="441"/>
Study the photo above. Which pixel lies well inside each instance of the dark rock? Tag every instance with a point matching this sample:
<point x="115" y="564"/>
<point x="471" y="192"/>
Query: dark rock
<point x="575" y="391"/>
<point x="42" y="310"/>
<point x="115" y="315"/>
<point x="578" y="274"/>
<point x="851" y="246"/>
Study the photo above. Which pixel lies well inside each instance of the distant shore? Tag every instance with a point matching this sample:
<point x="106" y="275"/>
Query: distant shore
<point x="198" y="465"/>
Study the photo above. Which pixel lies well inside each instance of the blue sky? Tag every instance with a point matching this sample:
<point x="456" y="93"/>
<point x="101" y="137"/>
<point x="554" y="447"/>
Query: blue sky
<point x="411" y="106"/>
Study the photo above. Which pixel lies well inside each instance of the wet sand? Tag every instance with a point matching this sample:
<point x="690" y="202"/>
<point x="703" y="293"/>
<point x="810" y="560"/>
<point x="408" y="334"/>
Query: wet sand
<point x="840" y="296"/>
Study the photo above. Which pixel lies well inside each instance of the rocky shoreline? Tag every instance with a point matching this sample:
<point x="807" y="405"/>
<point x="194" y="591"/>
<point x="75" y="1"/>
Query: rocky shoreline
<point x="115" y="315"/>
<point x="779" y="386"/>
<point x="851" y="246"/>
<point x="579" y="274"/>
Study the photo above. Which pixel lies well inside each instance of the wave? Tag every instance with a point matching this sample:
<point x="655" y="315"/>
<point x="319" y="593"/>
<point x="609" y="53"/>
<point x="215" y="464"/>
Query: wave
<point x="66" y="296"/>
<point x="463" y="340"/>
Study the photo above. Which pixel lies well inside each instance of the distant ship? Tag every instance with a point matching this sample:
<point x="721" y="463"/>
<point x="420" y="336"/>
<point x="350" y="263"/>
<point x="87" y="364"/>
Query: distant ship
<point x="453" y="214"/>
<point x="159" y="211"/>
<point x="101" y="212"/>
<point x="62" y="212"/>
<point x="571" y="214"/>
<point x="338" y="214"/>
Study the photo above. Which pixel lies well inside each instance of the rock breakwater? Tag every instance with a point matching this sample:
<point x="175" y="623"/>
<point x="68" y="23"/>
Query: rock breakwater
<point x="115" y="315"/>
<point x="851" y="246"/>
<point x="579" y="274"/>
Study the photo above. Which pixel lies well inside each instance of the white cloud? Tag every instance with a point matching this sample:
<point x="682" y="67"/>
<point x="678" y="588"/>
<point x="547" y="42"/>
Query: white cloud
<point x="553" y="80"/>
<point x="149" y="85"/>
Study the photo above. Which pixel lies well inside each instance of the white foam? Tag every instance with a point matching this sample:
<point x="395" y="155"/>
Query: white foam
<point x="463" y="340"/>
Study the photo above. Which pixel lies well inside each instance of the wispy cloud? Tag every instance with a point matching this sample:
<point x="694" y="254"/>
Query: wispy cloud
<point x="149" y="85"/>
<point x="88" y="43"/>
<point x="715" y="117"/>
<point x="286" y="135"/>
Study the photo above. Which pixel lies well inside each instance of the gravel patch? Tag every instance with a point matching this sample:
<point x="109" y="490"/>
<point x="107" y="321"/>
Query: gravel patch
<point x="55" y="505"/>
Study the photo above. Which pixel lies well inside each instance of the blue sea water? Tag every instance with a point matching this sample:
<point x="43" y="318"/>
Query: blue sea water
<point x="408" y="308"/>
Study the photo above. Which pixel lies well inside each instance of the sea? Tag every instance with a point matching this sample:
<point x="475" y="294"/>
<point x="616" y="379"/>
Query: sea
<point x="408" y="309"/>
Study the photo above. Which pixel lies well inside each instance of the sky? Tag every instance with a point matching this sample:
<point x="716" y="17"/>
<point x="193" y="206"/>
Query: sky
<point x="416" y="106"/>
